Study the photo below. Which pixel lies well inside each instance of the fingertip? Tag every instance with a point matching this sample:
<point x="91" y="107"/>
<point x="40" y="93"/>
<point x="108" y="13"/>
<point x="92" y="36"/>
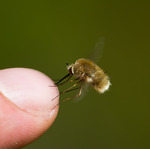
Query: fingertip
<point x="29" y="91"/>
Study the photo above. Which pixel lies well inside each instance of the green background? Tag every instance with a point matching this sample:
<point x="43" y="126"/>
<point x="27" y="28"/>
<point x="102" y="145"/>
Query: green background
<point x="44" y="35"/>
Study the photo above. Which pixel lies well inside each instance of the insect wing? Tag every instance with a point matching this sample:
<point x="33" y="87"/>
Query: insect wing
<point x="97" y="52"/>
<point x="85" y="88"/>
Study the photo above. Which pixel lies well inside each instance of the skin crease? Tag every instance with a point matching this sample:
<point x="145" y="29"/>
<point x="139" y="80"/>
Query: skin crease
<point x="26" y="108"/>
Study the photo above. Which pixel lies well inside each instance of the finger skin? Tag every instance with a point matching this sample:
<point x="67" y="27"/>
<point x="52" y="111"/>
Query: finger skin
<point x="26" y="108"/>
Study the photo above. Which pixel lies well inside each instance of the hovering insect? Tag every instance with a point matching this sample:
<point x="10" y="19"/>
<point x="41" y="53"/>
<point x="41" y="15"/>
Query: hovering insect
<point x="85" y="71"/>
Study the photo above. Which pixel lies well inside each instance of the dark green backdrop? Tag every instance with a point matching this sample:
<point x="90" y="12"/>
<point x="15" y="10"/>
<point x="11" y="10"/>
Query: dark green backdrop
<point x="44" y="35"/>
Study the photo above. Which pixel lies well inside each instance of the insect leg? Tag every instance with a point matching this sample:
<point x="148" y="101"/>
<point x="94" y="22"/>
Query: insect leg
<point x="68" y="89"/>
<point x="68" y="81"/>
<point x="80" y="91"/>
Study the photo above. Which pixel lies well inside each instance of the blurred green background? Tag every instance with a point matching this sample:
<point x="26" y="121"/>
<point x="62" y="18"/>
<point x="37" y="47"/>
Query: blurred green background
<point x="44" y="35"/>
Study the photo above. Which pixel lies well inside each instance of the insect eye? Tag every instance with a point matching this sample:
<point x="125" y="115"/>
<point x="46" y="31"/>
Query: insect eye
<point x="70" y="70"/>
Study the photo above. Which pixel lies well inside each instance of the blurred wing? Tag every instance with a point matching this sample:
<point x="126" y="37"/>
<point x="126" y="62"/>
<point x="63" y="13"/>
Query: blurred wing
<point x="95" y="56"/>
<point x="84" y="92"/>
<point x="96" y="53"/>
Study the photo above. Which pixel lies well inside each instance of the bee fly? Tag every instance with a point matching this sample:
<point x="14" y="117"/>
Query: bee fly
<point x="85" y="71"/>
